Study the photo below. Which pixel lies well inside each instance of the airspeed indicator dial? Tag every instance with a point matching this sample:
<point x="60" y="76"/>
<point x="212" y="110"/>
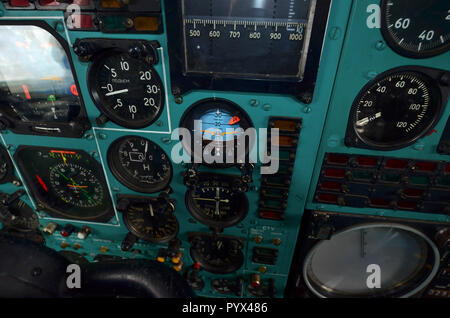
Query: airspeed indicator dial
<point x="395" y="109"/>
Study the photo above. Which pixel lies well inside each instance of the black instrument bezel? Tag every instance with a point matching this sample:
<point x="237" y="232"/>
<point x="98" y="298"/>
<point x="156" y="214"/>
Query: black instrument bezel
<point x="201" y="217"/>
<point x="93" y="70"/>
<point x="397" y="48"/>
<point x="73" y="129"/>
<point x="183" y="82"/>
<point x="440" y="96"/>
<point x="118" y="172"/>
<point x="103" y="216"/>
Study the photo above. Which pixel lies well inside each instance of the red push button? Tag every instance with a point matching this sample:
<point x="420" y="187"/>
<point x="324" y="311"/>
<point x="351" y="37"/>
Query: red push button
<point x="49" y="3"/>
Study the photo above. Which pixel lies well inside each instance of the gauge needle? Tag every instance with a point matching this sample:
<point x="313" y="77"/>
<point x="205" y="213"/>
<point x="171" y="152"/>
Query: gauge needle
<point x="117" y="92"/>
<point x="76" y="186"/>
<point x="365" y="121"/>
<point x="151" y="210"/>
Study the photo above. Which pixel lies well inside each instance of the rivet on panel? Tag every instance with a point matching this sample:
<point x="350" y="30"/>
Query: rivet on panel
<point x="267" y="107"/>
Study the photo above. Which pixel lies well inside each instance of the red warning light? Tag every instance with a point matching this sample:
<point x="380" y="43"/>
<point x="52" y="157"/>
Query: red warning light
<point x="234" y="120"/>
<point x="74" y="89"/>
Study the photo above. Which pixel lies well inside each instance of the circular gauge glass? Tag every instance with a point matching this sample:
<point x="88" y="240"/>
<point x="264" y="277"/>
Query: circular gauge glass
<point x="218" y="255"/>
<point x="416" y="28"/>
<point x="214" y="203"/>
<point x="151" y="222"/>
<point x="140" y="164"/>
<point x="127" y="90"/>
<point x="66" y="183"/>
<point x="218" y="126"/>
<point x="395" y="109"/>
<point x="76" y="185"/>
<point x="407" y="259"/>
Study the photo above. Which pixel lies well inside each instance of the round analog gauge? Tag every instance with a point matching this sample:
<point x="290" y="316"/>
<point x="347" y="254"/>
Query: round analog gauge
<point x="66" y="183"/>
<point x="76" y="185"/>
<point x="214" y="203"/>
<point x="416" y="28"/>
<point x="6" y="166"/>
<point x="216" y="254"/>
<point x="127" y="90"/>
<point x="408" y="261"/>
<point x="395" y="109"/>
<point x="151" y="222"/>
<point x="140" y="164"/>
<point x="218" y="126"/>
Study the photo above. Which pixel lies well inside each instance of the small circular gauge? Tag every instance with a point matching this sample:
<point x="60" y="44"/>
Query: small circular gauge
<point x="127" y="90"/>
<point x="217" y="254"/>
<point x="140" y="164"/>
<point x="395" y="109"/>
<point x="218" y="125"/>
<point x="408" y="261"/>
<point x="76" y="185"/>
<point x="65" y="183"/>
<point x="214" y="202"/>
<point x="17" y="215"/>
<point x="416" y="28"/>
<point x="151" y="221"/>
<point x="6" y="166"/>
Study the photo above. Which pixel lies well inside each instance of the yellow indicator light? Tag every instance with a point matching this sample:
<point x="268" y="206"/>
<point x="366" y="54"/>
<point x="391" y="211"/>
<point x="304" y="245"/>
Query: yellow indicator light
<point x="160" y="259"/>
<point x="146" y="23"/>
<point x="178" y="267"/>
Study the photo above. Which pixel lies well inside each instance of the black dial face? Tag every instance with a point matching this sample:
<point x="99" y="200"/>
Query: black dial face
<point x="217" y="254"/>
<point x="18" y="215"/>
<point x="151" y="221"/>
<point x="214" y="202"/>
<point x="140" y="164"/>
<point x="416" y="28"/>
<point x="395" y="109"/>
<point x="218" y="125"/>
<point x="126" y="89"/>
<point x="66" y="183"/>
<point x="76" y="185"/>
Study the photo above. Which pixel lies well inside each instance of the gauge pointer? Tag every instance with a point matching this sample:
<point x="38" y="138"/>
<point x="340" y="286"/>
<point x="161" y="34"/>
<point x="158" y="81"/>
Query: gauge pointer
<point x="117" y="92"/>
<point x="365" y="121"/>
<point x="208" y="199"/>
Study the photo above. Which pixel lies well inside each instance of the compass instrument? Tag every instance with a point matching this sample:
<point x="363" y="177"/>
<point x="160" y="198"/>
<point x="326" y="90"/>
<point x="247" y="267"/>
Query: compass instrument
<point x="126" y="89"/>
<point x="140" y="164"/>
<point x="66" y="183"/>
<point x="395" y="109"/>
<point x="416" y="28"/>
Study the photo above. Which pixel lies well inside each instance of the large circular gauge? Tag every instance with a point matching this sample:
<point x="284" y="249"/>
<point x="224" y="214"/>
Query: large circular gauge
<point x="127" y="90"/>
<point x="416" y="28"/>
<point x="407" y="259"/>
<point x="66" y="183"/>
<point x="154" y="222"/>
<point x="217" y="254"/>
<point x="76" y="185"/>
<point x="218" y="126"/>
<point x="215" y="203"/>
<point x="140" y="164"/>
<point x="395" y="109"/>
